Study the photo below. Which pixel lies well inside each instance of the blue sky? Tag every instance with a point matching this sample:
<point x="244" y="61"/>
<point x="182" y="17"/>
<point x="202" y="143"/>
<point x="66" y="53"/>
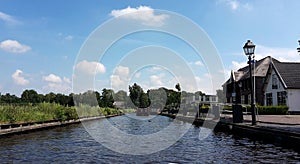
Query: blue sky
<point x="40" y="40"/>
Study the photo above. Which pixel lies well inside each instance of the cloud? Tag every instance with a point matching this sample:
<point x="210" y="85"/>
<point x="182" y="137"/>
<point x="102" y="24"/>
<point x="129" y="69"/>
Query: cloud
<point x="69" y="38"/>
<point x="90" y="68"/>
<point x="137" y="75"/>
<point x="13" y="46"/>
<point x="155" y="69"/>
<point x="19" y="79"/>
<point x="281" y="54"/>
<point x="199" y="63"/>
<point x="8" y="19"/>
<point x="119" y="80"/>
<point x="156" y="80"/>
<point x="144" y="14"/>
<point x="57" y="84"/>
<point x="52" y="78"/>
<point x="236" y="5"/>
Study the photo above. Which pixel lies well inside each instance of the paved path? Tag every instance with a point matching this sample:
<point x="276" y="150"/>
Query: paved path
<point x="290" y="123"/>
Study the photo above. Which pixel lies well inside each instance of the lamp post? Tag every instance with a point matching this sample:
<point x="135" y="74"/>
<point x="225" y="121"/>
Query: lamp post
<point x="249" y="48"/>
<point x="298" y="49"/>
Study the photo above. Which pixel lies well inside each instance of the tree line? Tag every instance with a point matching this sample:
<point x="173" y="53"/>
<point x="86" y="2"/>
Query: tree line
<point x="162" y="98"/>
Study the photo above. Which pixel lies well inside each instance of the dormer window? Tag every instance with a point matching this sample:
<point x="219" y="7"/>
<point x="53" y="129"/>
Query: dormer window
<point x="274" y="82"/>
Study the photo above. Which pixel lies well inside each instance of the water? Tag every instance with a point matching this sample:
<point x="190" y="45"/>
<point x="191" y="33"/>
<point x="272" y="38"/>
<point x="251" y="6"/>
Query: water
<point x="72" y="144"/>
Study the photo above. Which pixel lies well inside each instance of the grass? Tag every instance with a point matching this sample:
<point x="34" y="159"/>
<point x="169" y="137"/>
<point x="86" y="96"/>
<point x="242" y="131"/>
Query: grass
<point x="13" y="113"/>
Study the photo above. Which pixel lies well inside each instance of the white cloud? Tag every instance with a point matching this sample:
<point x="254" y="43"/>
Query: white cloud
<point x="67" y="80"/>
<point x="90" y="68"/>
<point x="236" y="5"/>
<point x="8" y="18"/>
<point x="156" y="80"/>
<point x="19" y="79"/>
<point x="281" y="54"/>
<point x="56" y="84"/>
<point x="144" y="14"/>
<point x="155" y="69"/>
<point x="198" y="63"/>
<point x="137" y="75"/>
<point x="57" y="87"/>
<point x="69" y="38"/>
<point x="52" y="78"/>
<point x="13" y="46"/>
<point x="120" y="78"/>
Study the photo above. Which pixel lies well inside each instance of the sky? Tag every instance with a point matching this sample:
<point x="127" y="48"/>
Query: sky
<point x="41" y="42"/>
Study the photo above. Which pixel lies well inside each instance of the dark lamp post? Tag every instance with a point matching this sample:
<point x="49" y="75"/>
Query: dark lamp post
<point x="249" y="49"/>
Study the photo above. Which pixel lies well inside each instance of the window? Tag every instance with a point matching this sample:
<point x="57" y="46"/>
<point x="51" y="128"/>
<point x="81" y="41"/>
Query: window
<point x="197" y="97"/>
<point x="281" y="98"/>
<point x="269" y="99"/>
<point x="213" y="99"/>
<point x="274" y="81"/>
<point x="249" y="98"/>
<point x="243" y="99"/>
<point x="206" y="98"/>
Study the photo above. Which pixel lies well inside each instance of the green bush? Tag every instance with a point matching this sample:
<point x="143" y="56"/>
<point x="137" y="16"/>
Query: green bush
<point x="11" y="113"/>
<point x="264" y="110"/>
<point x="272" y="110"/>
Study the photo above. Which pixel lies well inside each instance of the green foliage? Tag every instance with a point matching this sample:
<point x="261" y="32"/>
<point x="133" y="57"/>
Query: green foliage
<point x="48" y="112"/>
<point x="107" y="99"/>
<point x="271" y="110"/>
<point x="264" y="110"/>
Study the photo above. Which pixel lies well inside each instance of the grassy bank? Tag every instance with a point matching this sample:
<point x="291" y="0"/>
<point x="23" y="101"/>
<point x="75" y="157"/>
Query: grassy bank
<point x="49" y="111"/>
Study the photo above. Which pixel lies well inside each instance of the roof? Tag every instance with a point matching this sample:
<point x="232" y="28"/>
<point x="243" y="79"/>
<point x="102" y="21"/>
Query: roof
<point x="260" y="68"/>
<point x="289" y="72"/>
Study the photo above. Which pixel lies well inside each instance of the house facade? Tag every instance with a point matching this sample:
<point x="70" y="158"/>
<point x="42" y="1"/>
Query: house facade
<point x="276" y="83"/>
<point x="195" y="101"/>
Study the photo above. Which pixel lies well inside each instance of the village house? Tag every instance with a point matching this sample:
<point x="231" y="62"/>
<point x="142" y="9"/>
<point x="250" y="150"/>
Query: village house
<point x="275" y="83"/>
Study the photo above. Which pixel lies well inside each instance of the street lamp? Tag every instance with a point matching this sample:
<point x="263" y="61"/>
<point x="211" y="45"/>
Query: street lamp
<point x="298" y="49"/>
<point x="249" y="48"/>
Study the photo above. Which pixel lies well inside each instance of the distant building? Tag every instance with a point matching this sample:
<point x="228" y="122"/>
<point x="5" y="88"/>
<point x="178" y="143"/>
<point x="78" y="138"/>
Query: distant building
<point x="276" y="83"/>
<point x="196" y="100"/>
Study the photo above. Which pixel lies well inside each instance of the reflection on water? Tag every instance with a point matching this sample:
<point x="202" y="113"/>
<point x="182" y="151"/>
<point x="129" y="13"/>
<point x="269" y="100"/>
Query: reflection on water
<point x="73" y="144"/>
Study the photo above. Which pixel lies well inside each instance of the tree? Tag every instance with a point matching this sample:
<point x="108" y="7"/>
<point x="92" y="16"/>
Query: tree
<point x="144" y="100"/>
<point x="120" y="96"/>
<point x="135" y="92"/>
<point x="30" y="96"/>
<point x="50" y="97"/>
<point x="7" y="98"/>
<point x="107" y="99"/>
<point x="177" y="86"/>
<point x="157" y="98"/>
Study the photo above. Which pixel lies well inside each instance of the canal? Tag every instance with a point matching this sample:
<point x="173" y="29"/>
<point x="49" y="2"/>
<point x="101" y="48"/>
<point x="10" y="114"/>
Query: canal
<point x="73" y="144"/>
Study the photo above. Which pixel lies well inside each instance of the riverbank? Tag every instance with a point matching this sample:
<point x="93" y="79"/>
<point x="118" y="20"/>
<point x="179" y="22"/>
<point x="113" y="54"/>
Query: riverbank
<point x="268" y="129"/>
<point x="17" y="128"/>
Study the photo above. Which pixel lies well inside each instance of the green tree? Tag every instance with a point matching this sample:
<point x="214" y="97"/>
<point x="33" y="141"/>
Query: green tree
<point x="30" y="96"/>
<point x="135" y="92"/>
<point x="144" y="100"/>
<point x="7" y="98"/>
<point x="120" y="96"/>
<point x="177" y="86"/>
<point x="50" y="97"/>
<point x="107" y="99"/>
